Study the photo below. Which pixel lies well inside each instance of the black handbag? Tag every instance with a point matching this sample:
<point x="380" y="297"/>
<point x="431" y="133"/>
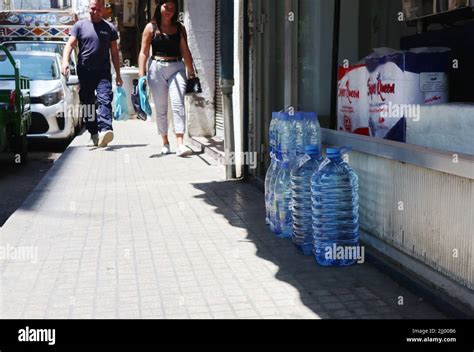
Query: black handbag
<point x="135" y="96"/>
<point x="193" y="85"/>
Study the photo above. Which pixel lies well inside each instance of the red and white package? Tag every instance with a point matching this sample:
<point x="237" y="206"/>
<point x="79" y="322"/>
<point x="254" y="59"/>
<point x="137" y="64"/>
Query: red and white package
<point x="352" y="104"/>
<point x="400" y="82"/>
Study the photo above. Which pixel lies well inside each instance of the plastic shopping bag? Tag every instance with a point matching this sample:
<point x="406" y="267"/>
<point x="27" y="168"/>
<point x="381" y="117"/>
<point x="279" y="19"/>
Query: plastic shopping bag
<point x="120" y="105"/>
<point x="144" y="103"/>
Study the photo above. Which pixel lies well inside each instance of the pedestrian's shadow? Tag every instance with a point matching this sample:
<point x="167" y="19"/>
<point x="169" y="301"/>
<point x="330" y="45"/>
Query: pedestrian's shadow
<point x="173" y="154"/>
<point x="125" y="146"/>
<point x="113" y="148"/>
<point x="159" y="156"/>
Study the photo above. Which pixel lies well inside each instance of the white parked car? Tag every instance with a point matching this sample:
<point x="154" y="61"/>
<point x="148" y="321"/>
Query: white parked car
<point x="54" y="100"/>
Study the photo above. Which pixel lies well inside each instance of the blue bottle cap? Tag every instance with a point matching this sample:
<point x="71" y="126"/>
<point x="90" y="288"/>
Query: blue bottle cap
<point x="337" y="152"/>
<point x="312" y="149"/>
<point x="333" y="152"/>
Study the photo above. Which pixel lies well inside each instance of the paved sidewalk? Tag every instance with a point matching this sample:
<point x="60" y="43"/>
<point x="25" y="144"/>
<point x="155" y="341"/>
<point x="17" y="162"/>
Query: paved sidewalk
<point x="125" y="233"/>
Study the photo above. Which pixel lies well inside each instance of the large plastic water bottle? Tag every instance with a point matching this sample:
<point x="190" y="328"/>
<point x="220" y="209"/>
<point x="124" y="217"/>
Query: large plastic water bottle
<point x="300" y="132"/>
<point x="271" y="174"/>
<point x="286" y="137"/>
<point x="313" y="129"/>
<point x="301" y="176"/>
<point x="335" y="210"/>
<point x="273" y="133"/>
<point x="273" y="168"/>
<point x="283" y="221"/>
<point x="272" y="211"/>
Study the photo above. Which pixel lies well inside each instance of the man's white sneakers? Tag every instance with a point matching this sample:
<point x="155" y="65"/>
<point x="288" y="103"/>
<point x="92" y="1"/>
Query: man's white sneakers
<point x="166" y="149"/>
<point x="105" y="138"/>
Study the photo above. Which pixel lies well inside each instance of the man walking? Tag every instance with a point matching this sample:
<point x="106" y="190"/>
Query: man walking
<point x="97" y="40"/>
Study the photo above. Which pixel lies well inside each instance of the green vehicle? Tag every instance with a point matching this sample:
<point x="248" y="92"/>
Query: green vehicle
<point x="15" y="113"/>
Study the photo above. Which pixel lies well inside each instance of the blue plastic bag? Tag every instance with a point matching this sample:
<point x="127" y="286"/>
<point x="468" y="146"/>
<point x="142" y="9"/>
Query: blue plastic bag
<point x="144" y="103"/>
<point x="120" y="105"/>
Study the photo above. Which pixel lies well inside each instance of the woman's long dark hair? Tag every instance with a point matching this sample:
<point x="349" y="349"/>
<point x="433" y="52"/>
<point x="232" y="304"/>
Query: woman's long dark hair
<point x="157" y="16"/>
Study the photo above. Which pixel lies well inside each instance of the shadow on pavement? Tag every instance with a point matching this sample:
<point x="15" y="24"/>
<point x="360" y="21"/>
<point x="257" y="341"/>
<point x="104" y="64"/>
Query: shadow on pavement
<point x="359" y="291"/>
<point x="125" y="146"/>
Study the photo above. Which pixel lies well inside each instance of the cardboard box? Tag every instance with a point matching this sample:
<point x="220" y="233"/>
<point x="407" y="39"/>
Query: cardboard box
<point x="456" y="4"/>
<point x="413" y="9"/>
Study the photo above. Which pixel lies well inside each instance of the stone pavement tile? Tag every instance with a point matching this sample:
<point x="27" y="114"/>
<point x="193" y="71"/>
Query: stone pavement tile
<point x="111" y="315"/>
<point x="240" y="299"/>
<point x="219" y="308"/>
<point x="224" y="315"/>
<point x="328" y="299"/>
<point x="247" y="314"/>
<point x="179" y="316"/>
<point x="347" y="297"/>
<point x="197" y="309"/>
<point x="129" y="314"/>
<point x="342" y="313"/>
<point x="356" y="304"/>
<point x="30" y="314"/>
<point x="332" y="306"/>
<point x="200" y="316"/>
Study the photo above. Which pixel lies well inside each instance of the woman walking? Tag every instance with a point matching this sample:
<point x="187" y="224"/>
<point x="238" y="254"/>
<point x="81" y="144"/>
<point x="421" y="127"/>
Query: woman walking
<point x="166" y="74"/>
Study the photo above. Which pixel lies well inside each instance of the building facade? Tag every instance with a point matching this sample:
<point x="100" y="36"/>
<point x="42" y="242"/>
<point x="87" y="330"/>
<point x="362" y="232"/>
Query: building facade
<point x="287" y="53"/>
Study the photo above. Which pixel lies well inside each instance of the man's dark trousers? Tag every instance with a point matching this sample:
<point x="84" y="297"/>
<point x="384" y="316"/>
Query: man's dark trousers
<point x="96" y="90"/>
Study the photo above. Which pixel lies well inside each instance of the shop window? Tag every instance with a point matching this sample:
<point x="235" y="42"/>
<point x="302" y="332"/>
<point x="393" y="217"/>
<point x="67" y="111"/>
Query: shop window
<point x="315" y="57"/>
<point x="405" y="72"/>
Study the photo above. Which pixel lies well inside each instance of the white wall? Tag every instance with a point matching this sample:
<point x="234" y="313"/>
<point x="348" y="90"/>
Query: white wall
<point x="200" y="24"/>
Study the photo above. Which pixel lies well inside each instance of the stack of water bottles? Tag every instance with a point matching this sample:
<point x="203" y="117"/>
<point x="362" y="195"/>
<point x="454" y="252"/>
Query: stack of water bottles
<point x="289" y="134"/>
<point x="313" y="201"/>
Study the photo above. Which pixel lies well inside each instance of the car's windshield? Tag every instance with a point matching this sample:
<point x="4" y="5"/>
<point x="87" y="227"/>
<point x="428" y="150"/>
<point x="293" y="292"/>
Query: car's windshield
<point x="35" y="67"/>
<point x="41" y="46"/>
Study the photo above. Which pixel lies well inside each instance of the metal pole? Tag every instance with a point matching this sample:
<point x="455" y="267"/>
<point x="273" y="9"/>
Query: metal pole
<point x="227" y="82"/>
<point x="335" y="64"/>
<point x="246" y="44"/>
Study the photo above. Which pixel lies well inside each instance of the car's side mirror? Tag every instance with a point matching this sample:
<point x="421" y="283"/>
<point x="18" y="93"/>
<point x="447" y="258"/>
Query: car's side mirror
<point x="73" y="80"/>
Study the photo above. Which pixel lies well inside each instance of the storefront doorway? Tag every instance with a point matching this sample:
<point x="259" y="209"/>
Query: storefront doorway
<point x="268" y="72"/>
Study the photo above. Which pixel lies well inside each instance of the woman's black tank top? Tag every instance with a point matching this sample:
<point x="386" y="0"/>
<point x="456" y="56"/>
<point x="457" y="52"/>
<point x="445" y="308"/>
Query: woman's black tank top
<point x="166" y="45"/>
